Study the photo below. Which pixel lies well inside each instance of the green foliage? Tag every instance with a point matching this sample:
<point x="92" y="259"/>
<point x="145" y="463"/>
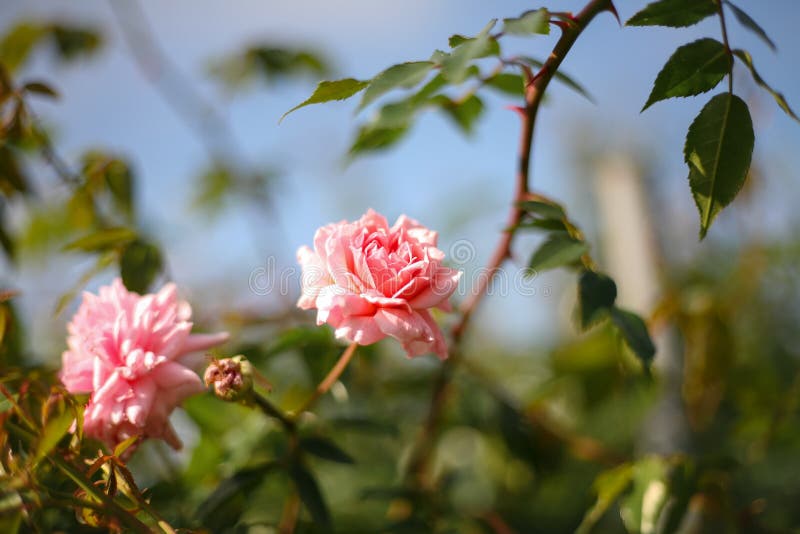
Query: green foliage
<point x="405" y="75"/>
<point x="745" y="57"/>
<point x="693" y="69"/>
<point x="560" y="76"/>
<point x="748" y="22"/>
<point x="559" y="250"/>
<point x="536" y="21"/>
<point x="718" y="149"/>
<point x="269" y="63"/>
<point x="456" y="64"/>
<point x="673" y="13"/>
<point x="596" y="296"/>
<point x="327" y="91"/>
<point x="634" y="332"/>
<point x="310" y="494"/>
<point x="139" y="264"/>
<point x="69" y="42"/>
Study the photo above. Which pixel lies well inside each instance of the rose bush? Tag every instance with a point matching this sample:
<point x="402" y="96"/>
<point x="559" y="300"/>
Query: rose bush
<point x="369" y="280"/>
<point x="126" y="350"/>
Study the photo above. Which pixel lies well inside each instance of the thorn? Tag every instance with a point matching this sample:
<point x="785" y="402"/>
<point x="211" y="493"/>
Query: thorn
<point x="561" y="24"/>
<point x="613" y="11"/>
<point x="519" y="109"/>
<point x="537" y="75"/>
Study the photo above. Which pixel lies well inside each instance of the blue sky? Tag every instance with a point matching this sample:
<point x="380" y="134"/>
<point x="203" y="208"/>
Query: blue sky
<point x="458" y="185"/>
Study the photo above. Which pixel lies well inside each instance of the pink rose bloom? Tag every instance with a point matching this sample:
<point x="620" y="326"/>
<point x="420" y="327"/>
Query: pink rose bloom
<point x="125" y="349"/>
<point x="368" y="281"/>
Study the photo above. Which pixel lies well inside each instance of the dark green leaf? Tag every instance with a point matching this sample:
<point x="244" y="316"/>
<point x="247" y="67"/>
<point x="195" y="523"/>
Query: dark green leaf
<point x="456" y="40"/>
<point x="455" y="66"/>
<point x="371" y="139"/>
<point x="310" y="494"/>
<point x="325" y="449"/>
<point x="747" y="21"/>
<point x="673" y="13"/>
<point x="718" y="149"/>
<point x="139" y="264"/>
<point x="560" y="249"/>
<point x="536" y="21"/>
<point x="596" y="295"/>
<point x="73" y="42"/>
<point x="404" y="75"/>
<point x="40" y="89"/>
<point x="224" y="506"/>
<point x="55" y="429"/>
<point x="103" y="240"/>
<point x="634" y="331"/>
<point x="464" y="113"/>
<point x="779" y="98"/>
<point x="693" y="69"/>
<point x="609" y="485"/>
<point x="567" y="80"/>
<point x="511" y="84"/>
<point x="331" y="90"/>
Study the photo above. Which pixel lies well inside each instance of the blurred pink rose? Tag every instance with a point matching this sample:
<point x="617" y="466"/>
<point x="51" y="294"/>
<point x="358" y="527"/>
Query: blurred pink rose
<point x="368" y="281"/>
<point x="125" y="349"/>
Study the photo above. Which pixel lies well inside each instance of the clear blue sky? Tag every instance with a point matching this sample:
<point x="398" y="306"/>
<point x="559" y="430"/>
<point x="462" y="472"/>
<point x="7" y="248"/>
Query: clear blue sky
<point x="436" y="175"/>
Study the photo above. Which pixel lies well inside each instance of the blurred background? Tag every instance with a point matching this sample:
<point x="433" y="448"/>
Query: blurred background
<point x="228" y="195"/>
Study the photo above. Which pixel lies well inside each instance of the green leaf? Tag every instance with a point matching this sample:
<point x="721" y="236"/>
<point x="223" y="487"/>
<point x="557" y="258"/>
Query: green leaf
<point x="464" y="113"/>
<point x="567" y="80"/>
<point x="596" y="295"/>
<point x="511" y="84"/>
<point x="73" y="42"/>
<point x="18" y="43"/>
<point x="226" y="503"/>
<point x="536" y="21"/>
<point x="634" y="332"/>
<point x="609" y="485"/>
<point x="546" y="210"/>
<point x="11" y="510"/>
<point x="560" y="249"/>
<point x="371" y="139"/>
<point x="404" y="75"/>
<point x="139" y="264"/>
<point x="103" y="240"/>
<point x="718" y="149"/>
<point x="748" y="22"/>
<point x="310" y="494"/>
<point x="693" y="69"/>
<point x="455" y="67"/>
<point x="123" y="446"/>
<point x="325" y="449"/>
<point x="745" y="57"/>
<point x="331" y="90"/>
<point x="673" y="13"/>
<point x="641" y="508"/>
<point x="40" y="88"/>
<point x="55" y="429"/>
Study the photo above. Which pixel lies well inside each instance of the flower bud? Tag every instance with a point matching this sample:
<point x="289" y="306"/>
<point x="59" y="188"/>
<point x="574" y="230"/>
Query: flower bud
<point x="230" y="378"/>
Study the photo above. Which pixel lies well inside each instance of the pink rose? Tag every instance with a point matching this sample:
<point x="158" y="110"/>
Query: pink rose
<point x="125" y="349"/>
<point x="368" y="281"/>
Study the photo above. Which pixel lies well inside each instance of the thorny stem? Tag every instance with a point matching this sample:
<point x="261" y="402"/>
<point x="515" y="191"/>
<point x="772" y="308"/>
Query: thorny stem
<point x="725" y="42"/>
<point x="333" y="375"/>
<point x="420" y="458"/>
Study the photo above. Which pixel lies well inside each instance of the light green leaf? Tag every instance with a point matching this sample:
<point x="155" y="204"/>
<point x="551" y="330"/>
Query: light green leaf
<point x="464" y="113"/>
<point x="331" y="90"/>
<point x="693" y="69"/>
<point x="609" y="485"/>
<point x="455" y="66"/>
<point x="404" y="75"/>
<point x="718" y="149"/>
<point x="536" y="21"/>
<point x="745" y="57"/>
<point x="560" y="249"/>
<point x="510" y="84"/>
<point x="103" y="240"/>
<point x="673" y="13"/>
<point x="747" y="21"/>
<point x="55" y="429"/>
<point x="634" y="332"/>
<point x="596" y="295"/>
<point x="641" y="508"/>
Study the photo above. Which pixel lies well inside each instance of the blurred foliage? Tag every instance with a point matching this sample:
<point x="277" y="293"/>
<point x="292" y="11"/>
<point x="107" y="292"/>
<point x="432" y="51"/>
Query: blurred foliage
<point x="269" y="64"/>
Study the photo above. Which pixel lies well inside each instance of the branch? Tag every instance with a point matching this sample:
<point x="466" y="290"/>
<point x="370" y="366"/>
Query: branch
<point x="533" y="97"/>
